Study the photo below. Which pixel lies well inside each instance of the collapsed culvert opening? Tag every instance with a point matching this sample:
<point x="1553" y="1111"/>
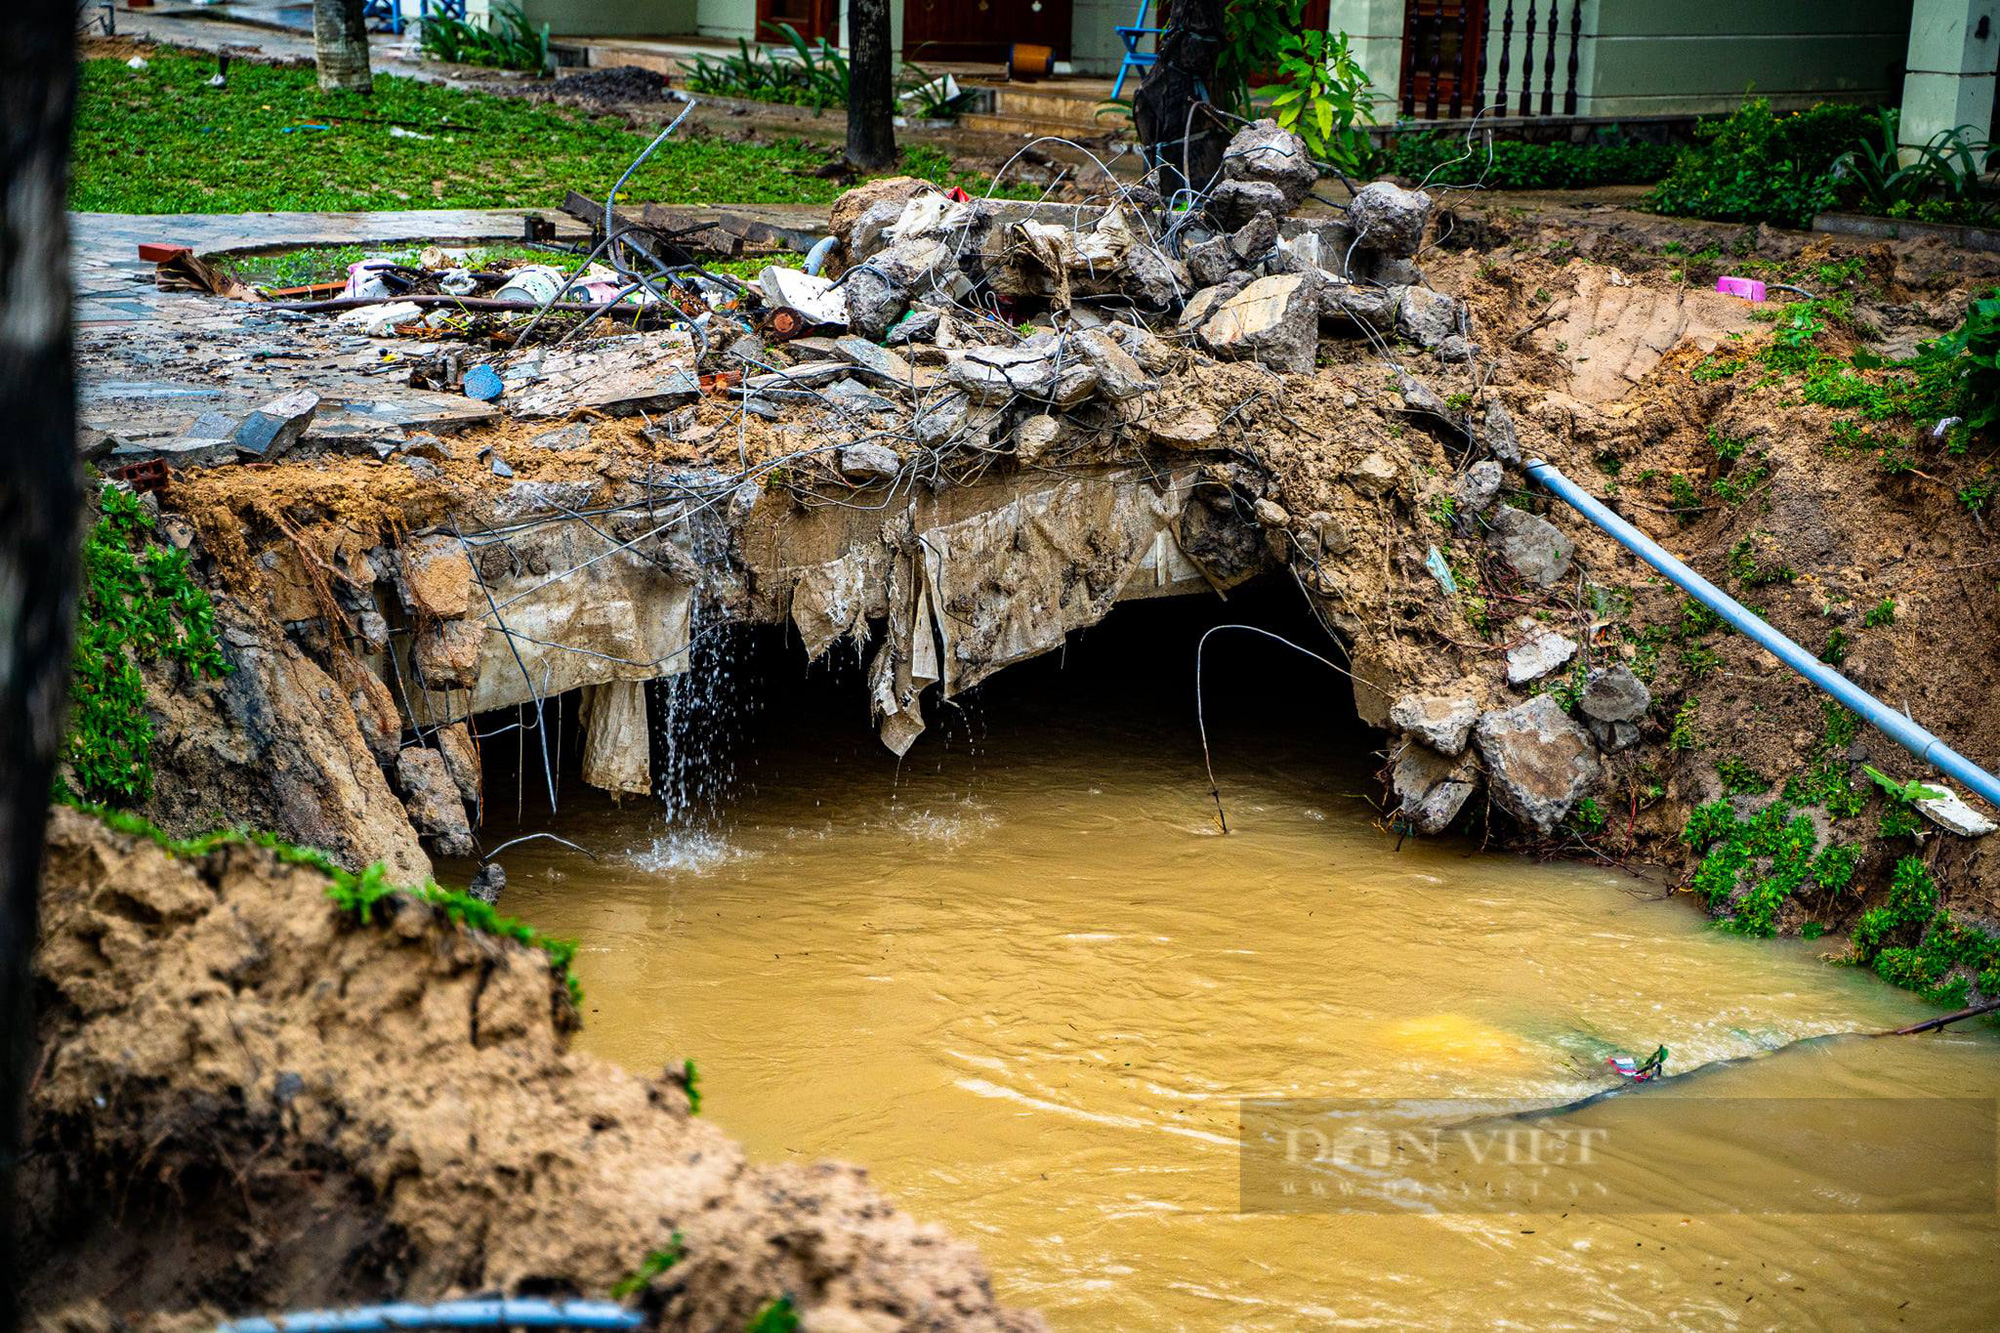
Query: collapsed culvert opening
<point x="754" y="713"/>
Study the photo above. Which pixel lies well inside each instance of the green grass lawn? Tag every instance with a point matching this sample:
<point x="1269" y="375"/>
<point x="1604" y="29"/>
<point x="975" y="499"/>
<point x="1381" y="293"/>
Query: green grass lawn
<point x="160" y="140"/>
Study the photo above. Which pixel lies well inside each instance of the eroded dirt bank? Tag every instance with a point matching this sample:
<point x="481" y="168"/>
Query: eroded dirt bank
<point x="249" y="1101"/>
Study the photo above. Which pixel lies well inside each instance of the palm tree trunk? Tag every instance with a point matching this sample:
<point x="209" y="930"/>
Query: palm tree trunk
<point x="39" y="503"/>
<point x="340" y="44"/>
<point x="871" y="93"/>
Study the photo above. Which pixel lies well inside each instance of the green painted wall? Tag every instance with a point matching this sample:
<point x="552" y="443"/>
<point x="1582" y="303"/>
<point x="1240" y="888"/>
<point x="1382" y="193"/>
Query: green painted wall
<point x="613" y="18"/>
<point x="1654" y="57"/>
<point x="1643" y="57"/>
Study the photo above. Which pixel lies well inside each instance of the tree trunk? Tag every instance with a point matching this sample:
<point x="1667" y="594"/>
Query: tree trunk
<point x="340" y="45"/>
<point x="871" y="92"/>
<point x="1181" y="140"/>
<point x="38" y="517"/>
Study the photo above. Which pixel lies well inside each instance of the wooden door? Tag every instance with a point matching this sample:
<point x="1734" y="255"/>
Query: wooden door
<point x="813" y="19"/>
<point x="949" y="30"/>
<point x="1442" y="42"/>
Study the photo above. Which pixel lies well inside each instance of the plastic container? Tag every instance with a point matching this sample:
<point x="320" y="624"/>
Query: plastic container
<point x="537" y="282"/>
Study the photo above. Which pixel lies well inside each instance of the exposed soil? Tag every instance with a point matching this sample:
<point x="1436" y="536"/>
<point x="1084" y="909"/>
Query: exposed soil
<point x="249" y="1102"/>
<point x="1600" y="317"/>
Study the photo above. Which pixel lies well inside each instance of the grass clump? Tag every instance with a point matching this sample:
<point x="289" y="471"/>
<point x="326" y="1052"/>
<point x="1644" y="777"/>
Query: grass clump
<point x="1881" y="614"/>
<point x="139" y="604"/>
<point x="1913" y="941"/>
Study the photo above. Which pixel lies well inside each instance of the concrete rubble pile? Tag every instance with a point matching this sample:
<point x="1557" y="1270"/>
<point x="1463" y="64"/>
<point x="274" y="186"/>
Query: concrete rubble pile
<point x="1116" y="366"/>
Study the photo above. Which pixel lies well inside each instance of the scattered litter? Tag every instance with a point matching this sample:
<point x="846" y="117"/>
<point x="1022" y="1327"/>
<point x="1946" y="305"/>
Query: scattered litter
<point x="483" y="383"/>
<point x="1748" y="288"/>
<point x="1949" y="812"/>
<point x="1434" y="562"/>
<point x="136" y="62"/>
<point x="398" y="132"/>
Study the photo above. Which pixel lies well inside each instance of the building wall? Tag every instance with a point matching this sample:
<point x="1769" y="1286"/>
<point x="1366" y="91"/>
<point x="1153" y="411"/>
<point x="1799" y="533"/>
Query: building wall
<point x="1660" y="57"/>
<point x="1643" y="57"/>
<point x="605" y="18"/>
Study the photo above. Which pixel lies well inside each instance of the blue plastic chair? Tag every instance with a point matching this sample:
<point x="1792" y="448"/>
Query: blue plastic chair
<point x="383" y="15"/>
<point x="1134" y="57"/>
<point x="446" y="9"/>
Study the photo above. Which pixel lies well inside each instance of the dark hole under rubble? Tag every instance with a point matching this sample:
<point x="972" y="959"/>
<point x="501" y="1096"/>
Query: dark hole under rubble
<point x="751" y="706"/>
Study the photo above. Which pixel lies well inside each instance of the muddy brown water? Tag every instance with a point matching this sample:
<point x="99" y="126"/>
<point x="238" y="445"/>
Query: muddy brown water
<point x="1024" y="980"/>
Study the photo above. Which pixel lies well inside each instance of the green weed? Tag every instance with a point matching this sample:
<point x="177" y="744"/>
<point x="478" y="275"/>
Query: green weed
<point x="1881" y="614"/>
<point x="138" y="604"/>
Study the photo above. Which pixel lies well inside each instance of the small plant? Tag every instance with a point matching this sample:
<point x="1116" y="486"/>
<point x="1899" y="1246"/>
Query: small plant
<point x="1899" y="821"/>
<point x="1761" y="166"/>
<point x="691" y="1084"/>
<point x="1909" y="793"/>
<point x="1835" y="652"/>
<point x="1588" y="817"/>
<point x="139" y="604"/>
<point x="505" y="41"/>
<point x="654" y="1264"/>
<point x="777" y="1317"/>
<point x="1727" y="448"/>
<point x="1323" y="98"/>
<point x="1683" y="736"/>
<point x="1739" y="778"/>
<point x="1881" y="614"/>
<point x="814" y="74"/>
<point x="1753" y="572"/>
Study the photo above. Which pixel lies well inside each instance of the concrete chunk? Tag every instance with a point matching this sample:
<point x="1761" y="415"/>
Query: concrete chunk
<point x="1273" y="321"/>
<point x="1430" y="788"/>
<point x="1614" y="694"/>
<point x="1538" y="759"/>
<point x="1534" y="547"/>
<point x="1267" y="152"/>
<point x="1441" y="721"/>
<point x="1541" y="651"/>
<point x="1389" y="219"/>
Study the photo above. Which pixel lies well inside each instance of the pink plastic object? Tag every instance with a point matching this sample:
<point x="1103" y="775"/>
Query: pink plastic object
<point x="1748" y="288"/>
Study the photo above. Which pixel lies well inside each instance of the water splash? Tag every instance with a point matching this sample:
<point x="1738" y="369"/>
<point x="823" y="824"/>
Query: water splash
<point x="698" y="723"/>
<point x="686" y="852"/>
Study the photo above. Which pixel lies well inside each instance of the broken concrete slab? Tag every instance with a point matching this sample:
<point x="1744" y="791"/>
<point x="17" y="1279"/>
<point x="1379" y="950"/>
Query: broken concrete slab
<point x="1389" y="219"/>
<point x="1474" y="490"/>
<point x="433" y="800"/>
<point x="1424" y="316"/>
<point x="1235" y="202"/>
<point x="1538" y="759"/>
<point x="995" y="374"/>
<point x="647" y="372"/>
<point x="1532" y="546"/>
<point x="1441" y="721"/>
<point x="1119" y="375"/>
<point x="878" y="363"/>
<point x="1950" y="813"/>
<point x="1431" y="788"/>
<point x="1613" y="737"/>
<point x="1273" y="321"/>
<point x="1614" y="694"/>
<point x="869" y="462"/>
<point x="1540" y="651"/>
<point x="1267" y="152"/>
<point x="1182" y="427"/>
<point x="275" y="428"/>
